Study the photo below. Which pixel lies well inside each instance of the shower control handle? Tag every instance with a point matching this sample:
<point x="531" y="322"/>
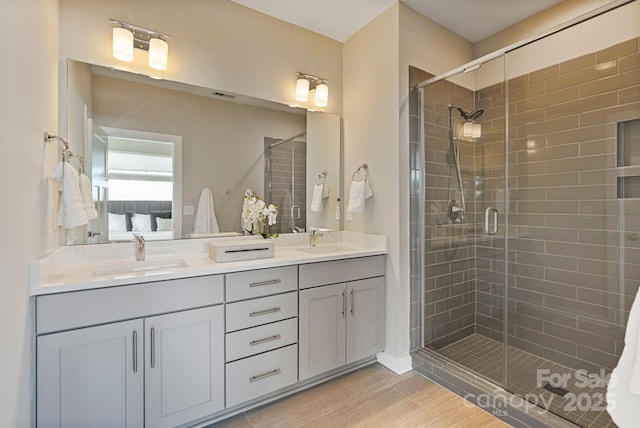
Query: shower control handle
<point x="491" y="212"/>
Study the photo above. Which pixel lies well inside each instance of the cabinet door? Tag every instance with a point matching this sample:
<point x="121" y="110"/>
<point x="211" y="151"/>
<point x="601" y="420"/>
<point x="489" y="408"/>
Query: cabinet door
<point x="365" y="318"/>
<point x="184" y="367"/>
<point x="91" y="377"/>
<point x="322" y="329"/>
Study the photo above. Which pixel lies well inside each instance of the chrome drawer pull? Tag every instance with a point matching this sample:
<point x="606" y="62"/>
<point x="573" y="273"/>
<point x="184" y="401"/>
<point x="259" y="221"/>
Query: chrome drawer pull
<point x="344" y="304"/>
<point x="270" y="282"/>
<point x="265" y="375"/>
<point x="153" y="348"/>
<point x="135" y="351"/>
<point x="265" y="340"/>
<point x="265" y="312"/>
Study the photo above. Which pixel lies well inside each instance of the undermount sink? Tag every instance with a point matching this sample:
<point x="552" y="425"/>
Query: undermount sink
<point x="322" y="250"/>
<point x="137" y="267"/>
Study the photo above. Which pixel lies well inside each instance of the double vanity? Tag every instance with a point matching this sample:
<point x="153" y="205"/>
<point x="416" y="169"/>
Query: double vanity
<point x="180" y="340"/>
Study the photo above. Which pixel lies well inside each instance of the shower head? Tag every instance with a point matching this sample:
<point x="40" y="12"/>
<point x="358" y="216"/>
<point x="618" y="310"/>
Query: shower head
<point x="468" y="117"/>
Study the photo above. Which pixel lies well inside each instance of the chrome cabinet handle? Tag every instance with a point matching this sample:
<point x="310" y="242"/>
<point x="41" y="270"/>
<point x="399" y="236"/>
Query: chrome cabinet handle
<point x="261" y="283"/>
<point x="491" y="212"/>
<point x="344" y="304"/>
<point x="135" y="351"/>
<point x="153" y="347"/>
<point x="353" y="305"/>
<point x="265" y="340"/>
<point x="265" y="312"/>
<point x="265" y="375"/>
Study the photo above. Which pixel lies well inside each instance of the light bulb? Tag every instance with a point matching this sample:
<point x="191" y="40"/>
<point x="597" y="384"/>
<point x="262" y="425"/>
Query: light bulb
<point x="322" y="95"/>
<point x="122" y="44"/>
<point x="477" y="131"/>
<point x="158" y="53"/>
<point x="467" y="129"/>
<point x="302" y="90"/>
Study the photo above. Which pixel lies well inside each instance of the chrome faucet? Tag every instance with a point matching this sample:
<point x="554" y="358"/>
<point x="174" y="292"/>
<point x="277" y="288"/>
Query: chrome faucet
<point x="313" y="235"/>
<point x="139" y="247"/>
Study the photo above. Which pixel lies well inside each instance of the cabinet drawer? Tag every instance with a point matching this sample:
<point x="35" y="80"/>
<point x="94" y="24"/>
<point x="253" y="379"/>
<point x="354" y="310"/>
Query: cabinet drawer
<point x="261" y="339"/>
<point x="262" y="282"/>
<point x="251" y="313"/>
<point x="261" y="374"/>
<point x="64" y="311"/>
<point x="333" y="272"/>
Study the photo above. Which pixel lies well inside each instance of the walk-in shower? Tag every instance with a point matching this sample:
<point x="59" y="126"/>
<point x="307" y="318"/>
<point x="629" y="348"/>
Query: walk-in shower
<point x="525" y="257"/>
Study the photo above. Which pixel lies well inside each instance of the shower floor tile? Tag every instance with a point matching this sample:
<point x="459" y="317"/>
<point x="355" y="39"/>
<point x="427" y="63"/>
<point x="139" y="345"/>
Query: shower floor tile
<point x="584" y="404"/>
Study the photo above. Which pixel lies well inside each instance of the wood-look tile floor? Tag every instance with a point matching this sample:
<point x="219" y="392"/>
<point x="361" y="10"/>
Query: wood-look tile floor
<point x="369" y="397"/>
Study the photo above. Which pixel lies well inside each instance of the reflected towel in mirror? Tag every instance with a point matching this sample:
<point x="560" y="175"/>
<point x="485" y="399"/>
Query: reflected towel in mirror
<point x="71" y="211"/>
<point x="87" y="197"/>
<point x="205" y="220"/>
<point x="320" y="192"/>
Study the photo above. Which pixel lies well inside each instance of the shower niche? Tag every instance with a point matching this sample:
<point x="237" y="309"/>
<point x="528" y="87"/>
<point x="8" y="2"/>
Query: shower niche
<point x="628" y="145"/>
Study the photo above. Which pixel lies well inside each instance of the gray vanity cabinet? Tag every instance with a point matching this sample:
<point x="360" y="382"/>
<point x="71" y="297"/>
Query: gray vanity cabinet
<point x="94" y="370"/>
<point x="184" y="367"/>
<point x="340" y="323"/>
<point x="92" y="377"/>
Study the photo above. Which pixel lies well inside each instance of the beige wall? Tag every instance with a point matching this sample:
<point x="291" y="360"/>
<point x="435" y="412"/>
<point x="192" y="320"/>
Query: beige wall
<point x="216" y="44"/>
<point x="222" y="141"/>
<point x="28" y="77"/>
<point x="370" y="135"/>
<point x="376" y="131"/>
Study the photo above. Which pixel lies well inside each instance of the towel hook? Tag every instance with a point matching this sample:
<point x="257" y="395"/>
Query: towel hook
<point x="362" y="168"/>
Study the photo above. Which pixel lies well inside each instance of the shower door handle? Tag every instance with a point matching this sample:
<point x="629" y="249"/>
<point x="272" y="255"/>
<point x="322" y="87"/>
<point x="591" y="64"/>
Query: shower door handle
<point x="491" y="212"/>
<point x="293" y="210"/>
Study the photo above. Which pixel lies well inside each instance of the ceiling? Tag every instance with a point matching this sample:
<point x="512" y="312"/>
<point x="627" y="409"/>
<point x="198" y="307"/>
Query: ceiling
<point x="340" y="19"/>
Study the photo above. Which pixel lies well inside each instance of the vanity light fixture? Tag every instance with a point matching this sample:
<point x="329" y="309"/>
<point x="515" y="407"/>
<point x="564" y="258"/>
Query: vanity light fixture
<point x="128" y="36"/>
<point x="307" y="83"/>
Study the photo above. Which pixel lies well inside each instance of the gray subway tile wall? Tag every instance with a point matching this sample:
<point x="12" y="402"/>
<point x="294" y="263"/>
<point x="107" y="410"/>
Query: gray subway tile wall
<point x="570" y="288"/>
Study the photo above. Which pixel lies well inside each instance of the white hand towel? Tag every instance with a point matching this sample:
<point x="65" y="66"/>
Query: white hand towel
<point x="87" y="197"/>
<point x="71" y="212"/>
<point x="623" y="392"/>
<point x="320" y="192"/>
<point x="205" y="220"/>
<point x="358" y="193"/>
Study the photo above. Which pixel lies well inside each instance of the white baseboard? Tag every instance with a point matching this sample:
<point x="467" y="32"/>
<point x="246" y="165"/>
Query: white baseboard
<point x="398" y="365"/>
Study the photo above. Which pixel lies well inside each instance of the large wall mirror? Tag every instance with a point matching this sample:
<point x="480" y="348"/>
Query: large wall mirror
<point x="152" y="146"/>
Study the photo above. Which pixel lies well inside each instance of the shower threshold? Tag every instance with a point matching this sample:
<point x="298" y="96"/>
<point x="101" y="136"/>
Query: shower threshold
<point x="471" y="365"/>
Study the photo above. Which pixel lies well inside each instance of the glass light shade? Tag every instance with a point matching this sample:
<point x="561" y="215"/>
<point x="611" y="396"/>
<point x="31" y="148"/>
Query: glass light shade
<point x="158" y="53"/>
<point x="467" y="129"/>
<point x="122" y="44"/>
<point x="477" y="131"/>
<point x="302" y="90"/>
<point x="322" y="95"/>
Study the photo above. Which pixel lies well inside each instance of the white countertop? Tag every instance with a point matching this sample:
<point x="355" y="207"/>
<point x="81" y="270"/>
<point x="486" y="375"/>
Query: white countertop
<point x="72" y="268"/>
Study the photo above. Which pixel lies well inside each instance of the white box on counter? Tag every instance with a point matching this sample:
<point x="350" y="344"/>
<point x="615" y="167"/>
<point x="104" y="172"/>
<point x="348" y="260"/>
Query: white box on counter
<point x="234" y="251"/>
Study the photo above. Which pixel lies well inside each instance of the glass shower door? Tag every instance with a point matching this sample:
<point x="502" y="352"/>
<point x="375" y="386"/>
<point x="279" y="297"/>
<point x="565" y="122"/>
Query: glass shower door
<point x="573" y="227"/>
<point x="285" y="183"/>
<point x="464" y="218"/>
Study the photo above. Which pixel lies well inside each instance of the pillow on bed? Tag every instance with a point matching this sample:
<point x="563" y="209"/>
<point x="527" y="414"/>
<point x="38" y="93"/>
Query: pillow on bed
<point x="164" y="224"/>
<point x="141" y="222"/>
<point x="117" y="223"/>
<point x="158" y="214"/>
